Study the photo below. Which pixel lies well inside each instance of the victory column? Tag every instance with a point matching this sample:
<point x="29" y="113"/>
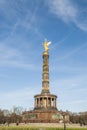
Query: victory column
<point x="45" y="107"/>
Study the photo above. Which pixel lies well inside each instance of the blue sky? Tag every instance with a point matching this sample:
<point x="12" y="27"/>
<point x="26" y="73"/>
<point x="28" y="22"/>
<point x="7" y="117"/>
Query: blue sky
<point x="24" y="24"/>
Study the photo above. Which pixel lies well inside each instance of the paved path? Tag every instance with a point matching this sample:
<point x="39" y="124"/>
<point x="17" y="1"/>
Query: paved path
<point x="53" y="125"/>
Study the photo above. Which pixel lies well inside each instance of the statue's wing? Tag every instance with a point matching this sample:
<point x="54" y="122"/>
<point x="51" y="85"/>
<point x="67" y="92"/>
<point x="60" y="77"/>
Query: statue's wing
<point x="48" y="43"/>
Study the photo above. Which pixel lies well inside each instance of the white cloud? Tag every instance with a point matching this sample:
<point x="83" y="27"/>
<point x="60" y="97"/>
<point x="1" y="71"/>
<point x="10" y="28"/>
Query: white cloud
<point x="69" y="12"/>
<point x="70" y="84"/>
<point x="12" y="57"/>
<point x="71" y="92"/>
<point x="23" y="97"/>
<point x="83" y="45"/>
<point x="16" y="15"/>
<point x="8" y="53"/>
<point x="63" y="9"/>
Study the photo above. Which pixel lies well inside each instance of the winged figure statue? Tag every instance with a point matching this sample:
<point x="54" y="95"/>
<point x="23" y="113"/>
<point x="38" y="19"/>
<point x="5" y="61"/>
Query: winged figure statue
<point x="46" y="45"/>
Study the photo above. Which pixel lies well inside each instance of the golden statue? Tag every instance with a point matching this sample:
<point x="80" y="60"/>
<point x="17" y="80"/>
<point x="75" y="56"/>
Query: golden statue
<point x="46" y="44"/>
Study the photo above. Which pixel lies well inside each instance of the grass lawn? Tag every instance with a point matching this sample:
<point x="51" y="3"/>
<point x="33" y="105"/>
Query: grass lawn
<point x="36" y="128"/>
